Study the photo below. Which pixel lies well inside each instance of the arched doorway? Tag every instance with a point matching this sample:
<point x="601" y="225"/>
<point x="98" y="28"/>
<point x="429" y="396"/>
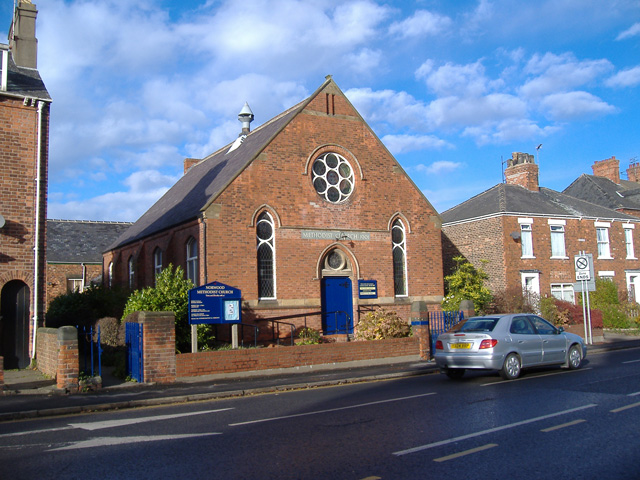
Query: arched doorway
<point x="14" y="324"/>
<point x="337" y="294"/>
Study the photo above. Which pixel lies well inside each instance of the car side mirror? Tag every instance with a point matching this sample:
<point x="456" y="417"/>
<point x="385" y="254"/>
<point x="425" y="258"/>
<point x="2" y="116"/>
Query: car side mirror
<point x="560" y="330"/>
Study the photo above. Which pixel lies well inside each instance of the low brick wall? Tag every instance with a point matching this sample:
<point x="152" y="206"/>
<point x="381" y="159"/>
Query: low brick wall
<point x="231" y="361"/>
<point x="159" y="333"/>
<point x="57" y="356"/>
<point x="1" y="374"/>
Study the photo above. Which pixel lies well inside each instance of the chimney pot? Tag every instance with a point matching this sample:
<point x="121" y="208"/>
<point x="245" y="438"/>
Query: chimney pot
<point x="22" y="36"/>
<point x="246" y="117"/>
<point x="523" y="171"/>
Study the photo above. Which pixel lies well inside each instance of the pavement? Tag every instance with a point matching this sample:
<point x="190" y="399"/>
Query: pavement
<point x="30" y="394"/>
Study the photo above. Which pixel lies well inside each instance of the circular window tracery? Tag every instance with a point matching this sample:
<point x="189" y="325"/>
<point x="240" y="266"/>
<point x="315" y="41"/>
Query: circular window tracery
<point x="333" y="177"/>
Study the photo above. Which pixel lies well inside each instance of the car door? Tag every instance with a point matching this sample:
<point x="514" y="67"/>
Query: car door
<point x="554" y="345"/>
<point x="528" y="342"/>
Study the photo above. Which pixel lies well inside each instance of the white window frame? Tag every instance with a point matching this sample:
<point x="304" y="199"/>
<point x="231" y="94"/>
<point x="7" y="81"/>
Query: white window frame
<point x="532" y="286"/>
<point x="157" y="262"/>
<point x="602" y="240"/>
<point x="110" y="274"/>
<point x="563" y="291"/>
<point x="628" y="240"/>
<point x="401" y="247"/>
<point x="132" y="271"/>
<point x="526" y="237"/>
<point x="192" y="260"/>
<point x="633" y="285"/>
<point x="270" y="243"/>
<point x="557" y="231"/>
<point x="75" y="284"/>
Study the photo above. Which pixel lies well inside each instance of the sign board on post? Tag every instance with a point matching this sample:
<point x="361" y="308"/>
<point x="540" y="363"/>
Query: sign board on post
<point x="215" y="303"/>
<point x="584" y="266"/>
<point x="367" y="289"/>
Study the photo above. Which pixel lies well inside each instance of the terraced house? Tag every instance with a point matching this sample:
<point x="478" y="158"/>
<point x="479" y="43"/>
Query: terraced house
<point x="529" y="236"/>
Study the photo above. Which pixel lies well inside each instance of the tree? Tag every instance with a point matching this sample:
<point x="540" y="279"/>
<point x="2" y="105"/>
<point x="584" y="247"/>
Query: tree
<point x="466" y="283"/>
<point x="171" y="294"/>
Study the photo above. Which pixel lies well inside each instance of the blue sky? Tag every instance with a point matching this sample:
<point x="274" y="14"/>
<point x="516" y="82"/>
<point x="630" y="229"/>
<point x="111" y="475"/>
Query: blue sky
<point x="451" y="87"/>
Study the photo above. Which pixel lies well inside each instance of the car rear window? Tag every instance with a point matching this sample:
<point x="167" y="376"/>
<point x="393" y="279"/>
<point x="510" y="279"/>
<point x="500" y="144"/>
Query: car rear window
<point x="484" y="324"/>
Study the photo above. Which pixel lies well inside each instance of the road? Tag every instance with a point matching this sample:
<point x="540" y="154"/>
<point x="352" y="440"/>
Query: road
<point x="549" y="424"/>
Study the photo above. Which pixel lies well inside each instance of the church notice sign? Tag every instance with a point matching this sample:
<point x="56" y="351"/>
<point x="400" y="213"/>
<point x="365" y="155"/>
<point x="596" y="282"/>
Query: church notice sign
<point x="215" y="303"/>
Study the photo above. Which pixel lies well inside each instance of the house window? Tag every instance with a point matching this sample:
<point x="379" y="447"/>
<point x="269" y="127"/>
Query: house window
<point x="157" y="262"/>
<point x="131" y="272"/>
<point x="265" y="238"/>
<point x="602" y="235"/>
<point x="557" y="241"/>
<point x="563" y="291"/>
<point x="74" y="285"/>
<point x="192" y="261"/>
<point x="398" y="239"/>
<point x="628" y="240"/>
<point x="526" y="240"/>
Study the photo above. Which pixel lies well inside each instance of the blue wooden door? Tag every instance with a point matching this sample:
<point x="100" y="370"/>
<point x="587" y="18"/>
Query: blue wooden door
<point x="337" y="305"/>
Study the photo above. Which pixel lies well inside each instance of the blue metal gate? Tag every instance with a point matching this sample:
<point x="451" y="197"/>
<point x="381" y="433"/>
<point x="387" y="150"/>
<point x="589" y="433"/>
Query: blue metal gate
<point x="135" y="363"/>
<point x="440" y="322"/>
<point x="90" y="349"/>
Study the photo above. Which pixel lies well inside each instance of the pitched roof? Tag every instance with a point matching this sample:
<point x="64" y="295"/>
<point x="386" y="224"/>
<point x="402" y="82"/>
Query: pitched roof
<point x="73" y="241"/>
<point x="513" y="199"/>
<point x="605" y="192"/>
<point x="24" y="82"/>
<point x="203" y="182"/>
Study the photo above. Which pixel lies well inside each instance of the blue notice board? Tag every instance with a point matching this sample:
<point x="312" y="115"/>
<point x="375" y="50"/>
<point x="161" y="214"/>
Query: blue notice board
<point x="367" y="289"/>
<point x="215" y="303"/>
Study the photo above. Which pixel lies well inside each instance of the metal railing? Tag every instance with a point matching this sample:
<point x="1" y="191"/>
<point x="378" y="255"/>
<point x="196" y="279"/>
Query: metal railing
<point x="256" y="331"/>
<point x="91" y="349"/>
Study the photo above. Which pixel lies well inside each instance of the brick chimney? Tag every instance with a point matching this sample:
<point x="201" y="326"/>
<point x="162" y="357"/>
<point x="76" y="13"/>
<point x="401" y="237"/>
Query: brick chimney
<point x="522" y="170"/>
<point x="22" y="35"/>
<point x="609" y="168"/>
<point x="633" y="172"/>
<point x="189" y="162"/>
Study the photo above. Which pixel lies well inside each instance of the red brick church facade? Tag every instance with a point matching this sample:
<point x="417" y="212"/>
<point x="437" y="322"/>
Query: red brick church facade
<point x="309" y="202"/>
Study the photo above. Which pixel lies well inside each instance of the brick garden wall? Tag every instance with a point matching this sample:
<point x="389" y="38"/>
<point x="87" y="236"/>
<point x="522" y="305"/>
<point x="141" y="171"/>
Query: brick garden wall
<point x="57" y="356"/>
<point x="233" y="361"/>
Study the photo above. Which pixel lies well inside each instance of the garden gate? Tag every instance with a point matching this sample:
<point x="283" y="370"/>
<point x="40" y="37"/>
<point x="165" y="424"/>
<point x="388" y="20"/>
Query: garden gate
<point x="135" y="358"/>
<point x="440" y="322"/>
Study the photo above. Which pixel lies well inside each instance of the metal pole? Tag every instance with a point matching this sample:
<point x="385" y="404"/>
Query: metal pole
<point x="589" y="317"/>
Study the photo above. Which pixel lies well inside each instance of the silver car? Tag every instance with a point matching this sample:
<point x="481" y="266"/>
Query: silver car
<point x="507" y="343"/>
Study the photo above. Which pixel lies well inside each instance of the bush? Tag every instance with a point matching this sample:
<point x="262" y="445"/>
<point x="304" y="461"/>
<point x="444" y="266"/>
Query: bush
<point x="381" y="324"/>
<point x="553" y="312"/>
<point x="111" y="332"/>
<point x="575" y="315"/>
<point x="466" y="283"/>
<point x="85" y="308"/>
<point x="613" y="316"/>
<point x="513" y="300"/>
<point x="171" y="294"/>
<point x="308" y="336"/>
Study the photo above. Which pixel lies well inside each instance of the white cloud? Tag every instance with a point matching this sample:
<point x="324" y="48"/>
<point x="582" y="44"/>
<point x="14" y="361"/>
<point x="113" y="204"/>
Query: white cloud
<point x="422" y="23"/>
<point x="398" y="144"/>
<point x="629" y="77"/>
<point x="632" y="31"/>
<point x="461" y="112"/>
<point x="571" y="105"/>
<point x="365" y="61"/>
<point x="451" y="79"/>
<point x="439" y="167"/>
<point x="387" y="106"/>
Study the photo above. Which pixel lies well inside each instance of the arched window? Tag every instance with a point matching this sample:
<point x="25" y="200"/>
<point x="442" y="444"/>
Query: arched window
<point x="157" y="262"/>
<point x="192" y="261"/>
<point x="398" y="239"/>
<point x="266" y="249"/>
<point x="110" y="274"/>
<point x="131" y="272"/>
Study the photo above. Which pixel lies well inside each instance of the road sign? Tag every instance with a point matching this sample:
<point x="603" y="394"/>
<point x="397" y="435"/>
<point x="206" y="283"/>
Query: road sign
<point x="583" y="266"/>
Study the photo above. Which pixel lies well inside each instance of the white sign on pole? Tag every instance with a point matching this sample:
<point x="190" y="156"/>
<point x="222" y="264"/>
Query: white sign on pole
<point x="583" y="267"/>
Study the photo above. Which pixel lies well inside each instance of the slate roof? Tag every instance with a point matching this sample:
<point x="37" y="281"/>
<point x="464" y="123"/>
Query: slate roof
<point x="514" y="199"/>
<point x="203" y="182"/>
<point x="74" y="241"/>
<point x="24" y="82"/>
<point x="605" y="192"/>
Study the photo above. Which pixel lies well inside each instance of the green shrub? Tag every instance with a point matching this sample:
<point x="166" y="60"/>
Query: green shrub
<point x="513" y="300"/>
<point x="85" y="308"/>
<point x="613" y="316"/>
<point x="171" y="294"/>
<point x="466" y="283"/>
<point x="381" y="324"/>
<point x="308" y="336"/>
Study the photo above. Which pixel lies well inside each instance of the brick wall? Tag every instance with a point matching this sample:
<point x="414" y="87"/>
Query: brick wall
<point x="159" y="340"/>
<point x="57" y="356"/>
<point x="58" y="275"/>
<point x="232" y="361"/>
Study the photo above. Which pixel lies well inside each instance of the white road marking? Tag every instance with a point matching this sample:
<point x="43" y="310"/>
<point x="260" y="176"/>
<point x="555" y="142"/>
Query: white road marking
<point x="564" y="425"/>
<point x="491" y="430"/>
<point x="35" y="432"/>
<point x="521" y="379"/>
<point x="626" y="407"/>
<point x="111" y="441"/>
<point x="634" y="394"/>
<point x="329" y="410"/>
<point x="466" y="452"/>
<point x="632" y="361"/>
<point x="132" y="421"/>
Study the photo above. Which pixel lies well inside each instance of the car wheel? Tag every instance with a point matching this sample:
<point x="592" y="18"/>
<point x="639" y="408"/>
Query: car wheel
<point x="511" y="367"/>
<point x="575" y="357"/>
<point x="454" y="373"/>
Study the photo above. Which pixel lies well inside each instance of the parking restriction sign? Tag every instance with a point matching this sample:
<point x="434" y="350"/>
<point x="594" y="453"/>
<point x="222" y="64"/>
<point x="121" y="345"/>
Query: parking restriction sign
<point x="583" y="267"/>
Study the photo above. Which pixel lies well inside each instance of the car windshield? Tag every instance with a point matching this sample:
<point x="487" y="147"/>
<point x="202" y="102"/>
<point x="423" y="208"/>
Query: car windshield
<point x="484" y="324"/>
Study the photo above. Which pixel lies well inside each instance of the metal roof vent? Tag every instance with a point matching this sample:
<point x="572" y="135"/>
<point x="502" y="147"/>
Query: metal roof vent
<point x="246" y="117"/>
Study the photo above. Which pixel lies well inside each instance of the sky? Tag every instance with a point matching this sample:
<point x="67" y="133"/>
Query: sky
<point x="452" y="88"/>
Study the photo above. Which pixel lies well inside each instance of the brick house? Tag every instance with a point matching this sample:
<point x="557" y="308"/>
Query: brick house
<point x="294" y="214"/>
<point x="606" y="188"/>
<point x="24" y="140"/>
<point x="529" y="235"/>
<point x="74" y="253"/>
